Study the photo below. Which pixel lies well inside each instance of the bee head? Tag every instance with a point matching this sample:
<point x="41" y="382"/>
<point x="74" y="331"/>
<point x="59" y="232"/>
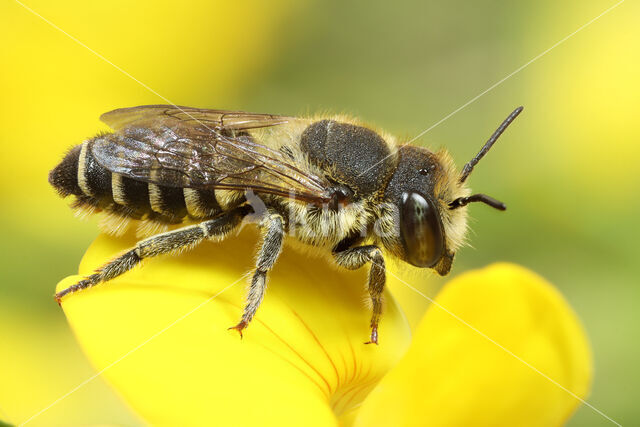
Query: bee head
<point x="431" y="198"/>
<point x="421" y="188"/>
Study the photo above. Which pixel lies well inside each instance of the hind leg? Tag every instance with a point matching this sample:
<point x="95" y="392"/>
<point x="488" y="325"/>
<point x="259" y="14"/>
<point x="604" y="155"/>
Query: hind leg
<point x="182" y="238"/>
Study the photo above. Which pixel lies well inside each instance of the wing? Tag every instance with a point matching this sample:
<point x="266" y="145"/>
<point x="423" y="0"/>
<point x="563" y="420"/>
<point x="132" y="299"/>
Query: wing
<point x="215" y="120"/>
<point x="196" y="148"/>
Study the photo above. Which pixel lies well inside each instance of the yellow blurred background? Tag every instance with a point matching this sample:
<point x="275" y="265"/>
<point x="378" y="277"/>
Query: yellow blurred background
<point x="567" y="168"/>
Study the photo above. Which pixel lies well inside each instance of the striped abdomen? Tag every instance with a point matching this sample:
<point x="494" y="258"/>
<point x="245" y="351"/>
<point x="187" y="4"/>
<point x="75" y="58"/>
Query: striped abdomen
<point x="94" y="186"/>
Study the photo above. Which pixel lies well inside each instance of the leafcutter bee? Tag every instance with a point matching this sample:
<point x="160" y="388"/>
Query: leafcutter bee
<point x="329" y="182"/>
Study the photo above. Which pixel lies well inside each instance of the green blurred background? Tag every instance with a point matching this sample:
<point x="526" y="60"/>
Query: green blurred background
<point x="567" y="169"/>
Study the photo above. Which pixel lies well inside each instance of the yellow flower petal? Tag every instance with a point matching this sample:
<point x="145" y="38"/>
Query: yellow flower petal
<point x="453" y="376"/>
<point x="302" y="358"/>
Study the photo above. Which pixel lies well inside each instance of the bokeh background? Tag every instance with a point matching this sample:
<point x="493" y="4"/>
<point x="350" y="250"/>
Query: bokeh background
<point x="568" y="168"/>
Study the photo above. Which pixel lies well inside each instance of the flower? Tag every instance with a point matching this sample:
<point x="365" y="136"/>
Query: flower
<point x="160" y="335"/>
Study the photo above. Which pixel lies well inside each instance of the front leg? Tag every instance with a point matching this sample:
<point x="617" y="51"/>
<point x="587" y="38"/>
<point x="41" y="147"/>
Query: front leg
<point x="354" y="258"/>
<point x="271" y="247"/>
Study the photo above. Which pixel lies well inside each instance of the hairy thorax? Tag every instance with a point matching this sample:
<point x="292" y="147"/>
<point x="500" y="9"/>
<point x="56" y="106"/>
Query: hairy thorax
<point x="321" y="226"/>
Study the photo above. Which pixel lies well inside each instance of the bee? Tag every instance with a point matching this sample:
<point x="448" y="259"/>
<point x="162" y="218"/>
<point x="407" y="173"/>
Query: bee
<point x="328" y="182"/>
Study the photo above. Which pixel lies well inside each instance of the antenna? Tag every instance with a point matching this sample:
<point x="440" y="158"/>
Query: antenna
<point x="466" y="171"/>
<point x="487" y="200"/>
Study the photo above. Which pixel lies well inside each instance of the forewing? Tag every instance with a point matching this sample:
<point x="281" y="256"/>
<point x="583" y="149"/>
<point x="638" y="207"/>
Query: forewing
<point x="170" y="115"/>
<point x="187" y="147"/>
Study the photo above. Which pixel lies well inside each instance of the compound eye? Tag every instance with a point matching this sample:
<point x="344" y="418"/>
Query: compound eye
<point x="421" y="230"/>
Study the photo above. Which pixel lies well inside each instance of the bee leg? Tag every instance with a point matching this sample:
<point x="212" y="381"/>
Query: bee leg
<point x="182" y="238"/>
<point x="273" y="226"/>
<point x="354" y="258"/>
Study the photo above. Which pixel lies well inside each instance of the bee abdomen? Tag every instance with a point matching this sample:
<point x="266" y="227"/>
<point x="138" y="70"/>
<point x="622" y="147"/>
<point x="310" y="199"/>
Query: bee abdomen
<point x="201" y="203"/>
<point x="168" y="202"/>
<point x="64" y="177"/>
<point x="94" y="186"/>
<point x="93" y="179"/>
<point x="131" y="193"/>
<point x="80" y="175"/>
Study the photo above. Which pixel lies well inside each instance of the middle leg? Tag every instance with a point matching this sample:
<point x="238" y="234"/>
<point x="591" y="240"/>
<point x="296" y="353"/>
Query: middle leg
<point x="273" y="235"/>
